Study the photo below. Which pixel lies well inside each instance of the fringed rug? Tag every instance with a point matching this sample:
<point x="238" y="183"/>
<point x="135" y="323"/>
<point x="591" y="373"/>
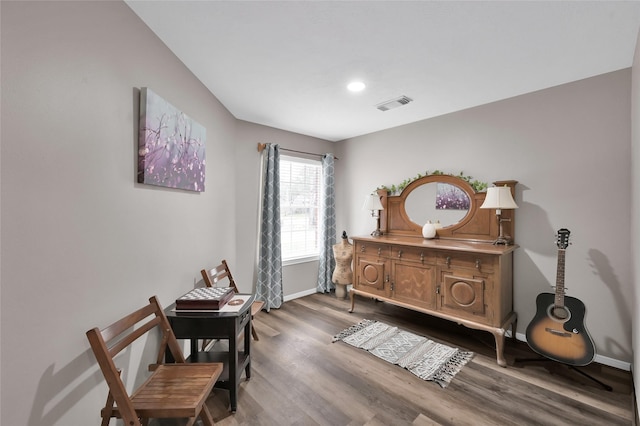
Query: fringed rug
<point x="423" y="357"/>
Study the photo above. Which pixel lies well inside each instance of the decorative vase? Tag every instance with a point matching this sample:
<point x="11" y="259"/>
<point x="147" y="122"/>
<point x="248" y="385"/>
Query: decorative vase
<point x="429" y="230"/>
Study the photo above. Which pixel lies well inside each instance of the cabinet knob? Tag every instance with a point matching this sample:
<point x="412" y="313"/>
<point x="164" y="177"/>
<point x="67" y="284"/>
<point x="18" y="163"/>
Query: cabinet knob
<point x="399" y="254"/>
<point x="362" y="249"/>
<point x="379" y="251"/>
<point x="448" y="261"/>
<point x="422" y="257"/>
<point x="478" y="264"/>
<point x="386" y="280"/>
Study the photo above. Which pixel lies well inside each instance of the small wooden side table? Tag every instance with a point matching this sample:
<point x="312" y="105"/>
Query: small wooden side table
<point x="218" y="325"/>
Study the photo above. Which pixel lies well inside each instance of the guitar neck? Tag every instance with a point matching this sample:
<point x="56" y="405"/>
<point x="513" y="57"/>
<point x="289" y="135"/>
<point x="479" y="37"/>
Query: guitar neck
<point x="559" y="299"/>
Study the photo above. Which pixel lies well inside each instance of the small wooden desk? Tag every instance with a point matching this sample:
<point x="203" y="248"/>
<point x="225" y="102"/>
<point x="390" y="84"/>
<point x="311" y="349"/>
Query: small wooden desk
<point x="218" y="325"/>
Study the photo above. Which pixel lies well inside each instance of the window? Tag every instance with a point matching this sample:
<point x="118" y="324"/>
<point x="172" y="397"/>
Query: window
<point x="299" y="208"/>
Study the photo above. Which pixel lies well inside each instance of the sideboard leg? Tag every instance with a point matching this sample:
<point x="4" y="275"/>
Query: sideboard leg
<point x="499" y="335"/>
<point x="353" y="300"/>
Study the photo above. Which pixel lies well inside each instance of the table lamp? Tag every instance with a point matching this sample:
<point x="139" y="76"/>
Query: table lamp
<point x="372" y="202"/>
<point x="499" y="198"/>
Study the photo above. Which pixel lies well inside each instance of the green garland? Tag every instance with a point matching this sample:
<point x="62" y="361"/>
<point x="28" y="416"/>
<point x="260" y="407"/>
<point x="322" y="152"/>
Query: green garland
<point x="477" y="185"/>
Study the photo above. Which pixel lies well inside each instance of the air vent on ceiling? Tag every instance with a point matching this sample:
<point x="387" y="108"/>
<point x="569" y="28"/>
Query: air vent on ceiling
<point x="394" y="103"/>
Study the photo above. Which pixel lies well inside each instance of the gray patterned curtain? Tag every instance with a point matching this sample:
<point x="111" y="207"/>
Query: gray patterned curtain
<point x="269" y="285"/>
<point x="326" y="262"/>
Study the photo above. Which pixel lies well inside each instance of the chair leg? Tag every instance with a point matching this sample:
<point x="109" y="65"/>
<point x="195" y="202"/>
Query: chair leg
<point x="205" y="415"/>
<point x="253" y="331"/>
<point x="105" y="420"/>
<point x="107" y="411"/>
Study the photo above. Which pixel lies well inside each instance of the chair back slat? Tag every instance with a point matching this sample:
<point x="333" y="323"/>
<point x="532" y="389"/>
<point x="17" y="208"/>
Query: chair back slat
<point x="118" y="346"/>
<point x="211" y="277"/>
<point x="117" y="328"/>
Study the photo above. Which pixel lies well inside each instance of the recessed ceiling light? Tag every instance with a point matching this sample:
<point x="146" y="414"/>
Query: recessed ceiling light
<point x="356" y="86"/>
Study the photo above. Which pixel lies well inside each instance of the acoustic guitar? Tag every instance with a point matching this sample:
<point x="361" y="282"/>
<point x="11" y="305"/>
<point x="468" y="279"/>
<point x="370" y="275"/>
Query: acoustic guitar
<point x="557" y="331"/>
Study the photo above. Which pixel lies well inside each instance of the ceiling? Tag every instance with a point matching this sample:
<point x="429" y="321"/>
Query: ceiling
<point x="286" y="64"/>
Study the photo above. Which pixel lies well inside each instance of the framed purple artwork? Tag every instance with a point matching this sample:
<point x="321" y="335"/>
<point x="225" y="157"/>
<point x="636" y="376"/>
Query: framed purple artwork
<point x="171" y="146"/>
<point x="450" y="197"/>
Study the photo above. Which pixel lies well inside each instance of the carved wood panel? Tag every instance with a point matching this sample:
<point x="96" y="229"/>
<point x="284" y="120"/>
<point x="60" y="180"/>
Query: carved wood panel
<point x="414" y="283"/>
<point x="373" y="275"/>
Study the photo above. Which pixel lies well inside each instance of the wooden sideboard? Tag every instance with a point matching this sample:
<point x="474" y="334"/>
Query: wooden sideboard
<point x="460" y="275"/>
<point x="469" y="283"/>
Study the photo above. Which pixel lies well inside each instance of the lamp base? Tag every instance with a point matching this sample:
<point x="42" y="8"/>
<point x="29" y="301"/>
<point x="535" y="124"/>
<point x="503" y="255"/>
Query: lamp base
<point x="377" y="232"/>
<point x="502" y="240"/>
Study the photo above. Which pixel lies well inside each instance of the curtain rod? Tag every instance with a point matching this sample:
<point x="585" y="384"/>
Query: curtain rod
<point x="262" y="146"/>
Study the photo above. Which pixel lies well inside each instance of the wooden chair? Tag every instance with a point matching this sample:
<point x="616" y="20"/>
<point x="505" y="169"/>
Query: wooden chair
<point x="172" y="391"/>
<point x="211" y="278"/>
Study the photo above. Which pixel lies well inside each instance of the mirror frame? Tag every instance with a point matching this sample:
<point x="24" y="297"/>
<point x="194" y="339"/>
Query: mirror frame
<point x="412" y="193"/>
<point x="477" y="225"/>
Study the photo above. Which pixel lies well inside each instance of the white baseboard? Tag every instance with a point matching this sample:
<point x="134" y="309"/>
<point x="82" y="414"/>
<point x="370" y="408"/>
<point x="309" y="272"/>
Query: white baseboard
<point x="600" y="359"/>
<point x="299" y="294"/>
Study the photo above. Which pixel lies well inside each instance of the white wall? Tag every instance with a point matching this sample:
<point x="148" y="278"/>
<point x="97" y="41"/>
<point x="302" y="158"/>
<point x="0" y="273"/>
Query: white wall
<point x="569" y="148"/>
<point x="635" y="212"/>
<point x="82" y="243"/>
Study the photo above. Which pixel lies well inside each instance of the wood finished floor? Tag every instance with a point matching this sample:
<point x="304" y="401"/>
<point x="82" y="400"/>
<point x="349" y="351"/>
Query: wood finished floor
<point x="300" y="378"/>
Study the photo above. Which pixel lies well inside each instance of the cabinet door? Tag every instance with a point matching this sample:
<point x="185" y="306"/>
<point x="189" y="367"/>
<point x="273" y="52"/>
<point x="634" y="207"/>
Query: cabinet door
<point x="373" y="275"/>
<point x="414" y="283"/>
<point x="462" y="293"/>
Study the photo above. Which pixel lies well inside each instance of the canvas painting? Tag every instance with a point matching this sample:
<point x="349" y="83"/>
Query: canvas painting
<point x="171" y="145"/>
<point x="450" y="197"/>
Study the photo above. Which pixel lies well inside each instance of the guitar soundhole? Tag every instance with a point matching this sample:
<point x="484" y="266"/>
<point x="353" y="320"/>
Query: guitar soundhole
<point x="558" y="313"/>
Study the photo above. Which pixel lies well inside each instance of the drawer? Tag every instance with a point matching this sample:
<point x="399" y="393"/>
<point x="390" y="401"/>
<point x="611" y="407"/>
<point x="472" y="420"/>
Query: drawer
<point x="372" y="249"/>
<point x="243" y="319"/>
<point x="481" y="262"/>
<point x="413" y="254"/>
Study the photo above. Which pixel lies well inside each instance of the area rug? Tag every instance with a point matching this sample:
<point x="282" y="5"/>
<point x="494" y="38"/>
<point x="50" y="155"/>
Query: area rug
<point x="422" y="356"/>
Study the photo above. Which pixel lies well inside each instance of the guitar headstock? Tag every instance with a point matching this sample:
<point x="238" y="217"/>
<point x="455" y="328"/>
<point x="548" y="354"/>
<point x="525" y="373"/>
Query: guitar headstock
<point x="562" y="238"/>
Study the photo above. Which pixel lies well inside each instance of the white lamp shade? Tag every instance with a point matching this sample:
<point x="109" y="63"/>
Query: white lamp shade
<point x="499" y="197"/>
<point x="372" y="202"/>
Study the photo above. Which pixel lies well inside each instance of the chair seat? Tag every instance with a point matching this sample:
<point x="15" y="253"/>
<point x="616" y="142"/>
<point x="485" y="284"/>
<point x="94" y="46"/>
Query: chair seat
<point x="180" y="388"/>
<point x="256" y="307"/>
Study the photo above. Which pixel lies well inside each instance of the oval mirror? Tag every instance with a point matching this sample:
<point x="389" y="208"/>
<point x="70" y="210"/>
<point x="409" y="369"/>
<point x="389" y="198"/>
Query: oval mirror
<point x="437" y="201"/>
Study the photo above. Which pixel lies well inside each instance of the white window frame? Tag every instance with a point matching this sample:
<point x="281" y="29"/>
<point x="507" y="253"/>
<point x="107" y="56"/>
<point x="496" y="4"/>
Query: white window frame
<point x="305" y="257"/>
